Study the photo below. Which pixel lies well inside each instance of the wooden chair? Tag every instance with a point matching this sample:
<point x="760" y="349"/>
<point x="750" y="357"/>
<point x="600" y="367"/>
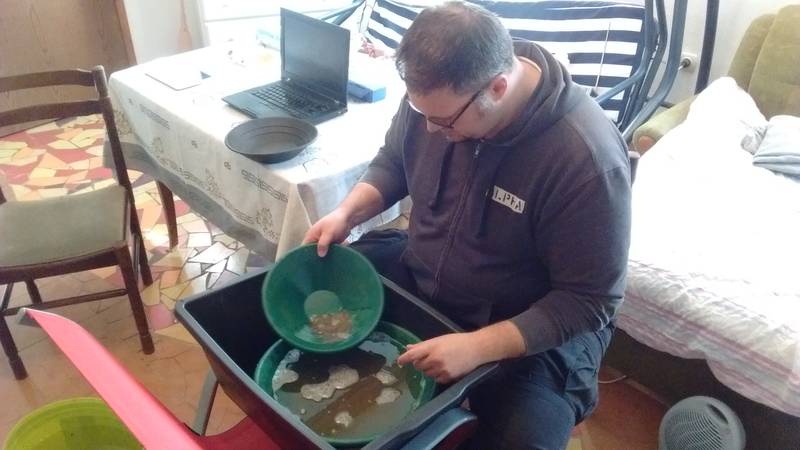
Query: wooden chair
<point x="70" y="233"/>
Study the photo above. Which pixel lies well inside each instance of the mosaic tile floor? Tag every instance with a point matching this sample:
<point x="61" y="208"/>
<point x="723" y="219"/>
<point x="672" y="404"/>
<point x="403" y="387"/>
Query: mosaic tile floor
<point x="64" y="157"/>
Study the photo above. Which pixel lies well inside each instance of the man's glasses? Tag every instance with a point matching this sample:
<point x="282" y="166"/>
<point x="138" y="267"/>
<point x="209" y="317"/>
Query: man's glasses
<point x="450" y="122"/>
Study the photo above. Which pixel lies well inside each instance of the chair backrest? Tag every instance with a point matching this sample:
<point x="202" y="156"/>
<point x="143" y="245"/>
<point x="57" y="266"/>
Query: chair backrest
<point x="389" y="20"/>
<point x="767" y="62"/>
<point x="749" y="47"/>
<point x="602" y="39"/>
<point x="50" y="111"/>
<point x="343" y="15"/>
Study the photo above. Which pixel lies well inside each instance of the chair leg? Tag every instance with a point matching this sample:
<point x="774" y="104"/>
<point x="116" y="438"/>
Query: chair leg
<point x="33" y="292"/>
<point x="139" y="250"/>
<point x="144" y="265"/>
<point x="168" y="204"/>
<point x="10" y="348"/>
<point x="129" y="276"/>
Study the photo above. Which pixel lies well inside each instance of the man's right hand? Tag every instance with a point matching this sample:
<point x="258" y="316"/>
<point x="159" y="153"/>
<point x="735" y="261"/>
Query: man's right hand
<point x="363" y="202"/>
<point x="331" y="229"/>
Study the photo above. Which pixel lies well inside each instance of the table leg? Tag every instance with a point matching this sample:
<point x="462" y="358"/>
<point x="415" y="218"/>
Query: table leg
<point x="168" y="204"/>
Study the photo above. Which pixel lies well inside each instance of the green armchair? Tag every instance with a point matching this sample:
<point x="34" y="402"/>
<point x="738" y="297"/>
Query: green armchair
<point x="766" y="65"/>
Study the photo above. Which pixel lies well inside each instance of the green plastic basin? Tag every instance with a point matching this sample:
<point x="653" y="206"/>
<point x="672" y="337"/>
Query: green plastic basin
<point x="302" y="285"/>
<point x="422" y="388"/>
<point x="76" y="423"/>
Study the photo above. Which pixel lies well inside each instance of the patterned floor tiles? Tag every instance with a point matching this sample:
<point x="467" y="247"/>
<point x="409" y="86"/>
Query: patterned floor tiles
<point x="64" y="157"/>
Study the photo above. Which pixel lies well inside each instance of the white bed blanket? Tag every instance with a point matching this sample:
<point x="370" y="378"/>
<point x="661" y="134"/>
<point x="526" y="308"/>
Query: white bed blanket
<point x="714" y="268"/>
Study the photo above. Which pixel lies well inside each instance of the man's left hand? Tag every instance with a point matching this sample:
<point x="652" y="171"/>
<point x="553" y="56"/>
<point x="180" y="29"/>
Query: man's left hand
<point x="444" y="358"/>
<point x="451" y="356"/>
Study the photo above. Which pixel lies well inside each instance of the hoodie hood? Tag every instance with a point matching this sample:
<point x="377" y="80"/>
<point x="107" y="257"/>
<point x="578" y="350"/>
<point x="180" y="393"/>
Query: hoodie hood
<point x="553" y="98"/>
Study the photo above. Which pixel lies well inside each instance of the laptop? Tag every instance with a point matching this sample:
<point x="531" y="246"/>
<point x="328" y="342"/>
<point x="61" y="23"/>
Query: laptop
<point x="314" y="72"/>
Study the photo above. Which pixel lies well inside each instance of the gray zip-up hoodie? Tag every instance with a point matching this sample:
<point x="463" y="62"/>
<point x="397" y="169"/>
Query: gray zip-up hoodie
<point x="532" y="225"/>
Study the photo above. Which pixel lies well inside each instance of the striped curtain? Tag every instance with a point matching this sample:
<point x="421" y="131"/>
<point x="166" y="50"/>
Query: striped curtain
<point x="603" y="40"/>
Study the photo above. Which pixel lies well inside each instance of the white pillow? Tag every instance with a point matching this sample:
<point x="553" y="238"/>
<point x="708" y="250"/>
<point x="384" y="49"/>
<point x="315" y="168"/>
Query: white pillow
<point x="782" y="136"/>
<point x="729" y="113"/>
<point x="780" y="149"/>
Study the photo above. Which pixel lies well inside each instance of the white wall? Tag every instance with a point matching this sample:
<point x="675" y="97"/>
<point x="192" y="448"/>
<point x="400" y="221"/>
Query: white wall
<point x="734" y="18"/>
<point x="155" y="26"/>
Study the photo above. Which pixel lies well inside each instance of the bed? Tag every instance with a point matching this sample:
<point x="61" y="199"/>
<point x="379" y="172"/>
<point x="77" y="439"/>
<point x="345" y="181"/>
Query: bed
<point x="714" y="271"/>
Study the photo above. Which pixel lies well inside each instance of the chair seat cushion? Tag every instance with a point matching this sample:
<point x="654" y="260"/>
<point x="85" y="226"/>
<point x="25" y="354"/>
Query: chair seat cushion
<point x="41" y="231"/>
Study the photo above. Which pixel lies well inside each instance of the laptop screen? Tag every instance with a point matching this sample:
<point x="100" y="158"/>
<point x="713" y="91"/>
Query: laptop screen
<point x="315" y="54"/>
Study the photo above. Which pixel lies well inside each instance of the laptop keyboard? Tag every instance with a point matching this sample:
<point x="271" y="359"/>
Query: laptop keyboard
<point x="280" y="96"/>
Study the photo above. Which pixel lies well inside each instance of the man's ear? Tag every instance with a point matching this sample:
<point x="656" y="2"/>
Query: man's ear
<point x="498" y="87"/>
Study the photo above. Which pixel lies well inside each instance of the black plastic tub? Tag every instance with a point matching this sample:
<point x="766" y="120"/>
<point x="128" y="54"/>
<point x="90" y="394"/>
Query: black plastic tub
<point x="230" y="325"/>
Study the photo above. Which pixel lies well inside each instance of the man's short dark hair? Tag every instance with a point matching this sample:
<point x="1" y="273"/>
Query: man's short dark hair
<point x="456" y="45"/>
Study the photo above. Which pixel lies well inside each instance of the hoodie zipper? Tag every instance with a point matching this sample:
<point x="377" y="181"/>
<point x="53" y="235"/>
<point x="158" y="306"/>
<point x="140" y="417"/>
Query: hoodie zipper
<point x="456" y="218"/>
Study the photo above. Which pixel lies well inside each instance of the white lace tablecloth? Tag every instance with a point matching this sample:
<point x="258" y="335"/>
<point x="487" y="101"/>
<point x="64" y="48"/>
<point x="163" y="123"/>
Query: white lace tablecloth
<point x="177" y="136"/>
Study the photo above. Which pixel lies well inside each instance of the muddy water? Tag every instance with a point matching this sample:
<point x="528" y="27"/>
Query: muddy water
<point x="351" y="394"/>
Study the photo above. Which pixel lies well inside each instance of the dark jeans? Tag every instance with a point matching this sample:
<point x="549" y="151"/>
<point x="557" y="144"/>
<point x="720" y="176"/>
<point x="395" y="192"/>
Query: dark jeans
<point x="532" y="402"/>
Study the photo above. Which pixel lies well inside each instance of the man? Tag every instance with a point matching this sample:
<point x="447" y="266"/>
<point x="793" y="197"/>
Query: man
<point x="520" y="222"/>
